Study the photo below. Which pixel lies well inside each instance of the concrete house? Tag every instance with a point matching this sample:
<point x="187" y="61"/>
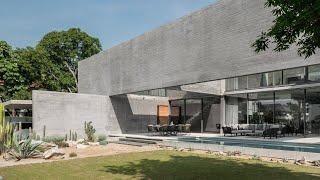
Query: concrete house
<point x="199" y="69"/>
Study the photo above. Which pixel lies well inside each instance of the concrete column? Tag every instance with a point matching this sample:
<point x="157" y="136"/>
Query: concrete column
<point x="222" y="112"/>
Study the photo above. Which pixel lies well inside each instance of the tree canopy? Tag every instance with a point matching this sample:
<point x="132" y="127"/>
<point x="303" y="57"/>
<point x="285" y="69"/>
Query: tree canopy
<point x="297" y="22"/>
<point x="51" y="65"/>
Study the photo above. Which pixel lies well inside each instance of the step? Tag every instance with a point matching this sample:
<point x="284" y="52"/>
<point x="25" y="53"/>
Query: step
<point x="145" y="138"/>
<point x="130" y="143"/>
<point x="138" y="140"/>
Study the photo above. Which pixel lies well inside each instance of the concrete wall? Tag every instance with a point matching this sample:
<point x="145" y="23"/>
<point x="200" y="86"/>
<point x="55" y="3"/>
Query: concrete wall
<point x="212" y="43"/>
<point x="135" y="112"/>
<point x="61" y="112"/>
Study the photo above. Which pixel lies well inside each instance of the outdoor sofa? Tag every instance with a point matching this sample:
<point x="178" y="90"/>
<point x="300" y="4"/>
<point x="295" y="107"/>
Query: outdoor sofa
<point x="265" y="130"/>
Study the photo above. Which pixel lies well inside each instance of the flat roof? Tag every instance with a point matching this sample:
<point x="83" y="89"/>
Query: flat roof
<point x="18" y="104"/>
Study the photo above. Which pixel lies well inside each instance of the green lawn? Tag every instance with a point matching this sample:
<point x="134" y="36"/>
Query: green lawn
<point x="160" y="165"/>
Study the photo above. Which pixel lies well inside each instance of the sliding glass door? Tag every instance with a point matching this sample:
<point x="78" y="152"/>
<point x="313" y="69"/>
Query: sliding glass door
<point x="289" y="109"/>
<point x="313" y="111"/>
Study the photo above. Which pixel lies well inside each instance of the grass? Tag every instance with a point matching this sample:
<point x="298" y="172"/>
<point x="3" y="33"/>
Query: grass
<point x="160" y="165"/>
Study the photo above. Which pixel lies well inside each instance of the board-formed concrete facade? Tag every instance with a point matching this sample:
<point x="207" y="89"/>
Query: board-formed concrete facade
<point x="212" y="43"/>
<point x="57" y="113"/>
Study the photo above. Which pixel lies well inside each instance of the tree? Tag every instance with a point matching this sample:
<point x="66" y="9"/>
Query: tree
<point x="297" y="22"/>
<point x="9" y="71"/>
<point x="65" y="49"/>
<point x="51" y="65"/>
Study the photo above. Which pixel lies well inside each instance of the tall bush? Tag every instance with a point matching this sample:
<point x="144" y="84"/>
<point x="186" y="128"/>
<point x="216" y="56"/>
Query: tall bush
<point x="6" y="132"/>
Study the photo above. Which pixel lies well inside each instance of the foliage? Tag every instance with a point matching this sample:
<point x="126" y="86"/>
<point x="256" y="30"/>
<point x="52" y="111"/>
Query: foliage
<point x="296" y="23"/>
<point x="73" y="154"/>
<point x="65" y="49"/>
<point x="23" y="149"/>
<point x="89" y="130"/>
<point x="6" y="132"/>
<point x="101" y="137"/>
<point x="103" y="143"/>
<point x="58" y="140"/>
<point x="9" y="71"/>
<point x="51" y="65"/>
<point x="41" y="148"/>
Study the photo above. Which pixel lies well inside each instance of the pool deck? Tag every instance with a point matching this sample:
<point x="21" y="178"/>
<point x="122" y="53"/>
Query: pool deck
<point x="262" y="152"/>
<point x="292" y="139"/>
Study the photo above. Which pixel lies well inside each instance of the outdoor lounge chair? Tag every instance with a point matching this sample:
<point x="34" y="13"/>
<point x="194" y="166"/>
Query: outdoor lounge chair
<point x="163" y="130"/>
<point x="227" y="130"/>
<point x="271" y="132"/>
<point x="151" y="129"/>
<point x="172" y="130"/>
<point x="186" y="128"/>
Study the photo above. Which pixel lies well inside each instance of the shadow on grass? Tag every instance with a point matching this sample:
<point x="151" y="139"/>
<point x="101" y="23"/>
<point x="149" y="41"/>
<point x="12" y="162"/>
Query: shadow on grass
<point x="196" y="167"/>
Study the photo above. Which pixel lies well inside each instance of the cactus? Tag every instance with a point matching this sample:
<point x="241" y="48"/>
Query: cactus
<point x="44" y="132"/>
<point x="6" y="132"/>
<point x="66" y="137"/>
<point x="89" y="130"/>
<point x="75" y="136"/>
<point x="70" y="135"/>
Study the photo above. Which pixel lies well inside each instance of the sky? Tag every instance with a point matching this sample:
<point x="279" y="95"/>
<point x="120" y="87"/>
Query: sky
<point x="25" y="22"/>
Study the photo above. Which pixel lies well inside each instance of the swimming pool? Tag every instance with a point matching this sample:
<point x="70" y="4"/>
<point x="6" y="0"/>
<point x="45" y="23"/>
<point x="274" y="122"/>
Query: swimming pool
<point x="288" y="146"/>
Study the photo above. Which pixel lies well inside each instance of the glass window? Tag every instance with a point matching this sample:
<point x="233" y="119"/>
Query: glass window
<point x="260" y="108"/>
<point x="293" y="76"/>
<point x="254" y="81"/>
<point x="313" y="111"/>
<point x="230" y="84"/>
<point x="289" y="108"/>
<point x="277" y="78"/>
<point x="266" y="79"/>
<point x="314" y="73"/>
<point x="242" y="82"/>
<point x="236" y="109"/>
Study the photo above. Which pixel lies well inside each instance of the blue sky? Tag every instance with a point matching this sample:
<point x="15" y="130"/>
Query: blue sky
<point x="24" y="22"/>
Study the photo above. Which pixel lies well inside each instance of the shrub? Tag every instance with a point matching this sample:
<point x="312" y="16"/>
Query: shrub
<point x="73" y="154"/>
<point x="103" y="143"/>
<point x="89" y="130"/>
<point x="23" y="149"/>
<point x="102" y="137"/>
<point x="58" y="140"/>
<point x="42" y="148"/>
<point x="53" y="139"/>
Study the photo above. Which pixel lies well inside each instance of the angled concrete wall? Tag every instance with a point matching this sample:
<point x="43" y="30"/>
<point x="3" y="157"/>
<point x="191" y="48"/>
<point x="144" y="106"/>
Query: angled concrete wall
<point x="212" y="43"/>
<point x="61" y="112"/>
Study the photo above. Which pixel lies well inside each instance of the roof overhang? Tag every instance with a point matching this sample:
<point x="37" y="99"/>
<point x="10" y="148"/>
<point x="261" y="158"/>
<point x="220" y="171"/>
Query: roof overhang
<point x="18" y="104"/>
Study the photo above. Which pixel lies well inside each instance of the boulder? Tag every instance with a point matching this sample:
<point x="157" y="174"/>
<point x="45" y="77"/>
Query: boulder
<point x="82" y="146"/>
<point x="93" y="143"/>
<point x="53" y="152"/>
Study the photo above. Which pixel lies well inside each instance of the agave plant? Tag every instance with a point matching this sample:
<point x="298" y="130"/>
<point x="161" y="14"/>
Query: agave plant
<point x="6" y="132"/>
<point x="23" y="149"/>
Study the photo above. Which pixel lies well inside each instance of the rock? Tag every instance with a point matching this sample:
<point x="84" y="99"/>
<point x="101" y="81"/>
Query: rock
<point x="93" y="143"/>
<point x="48" y="145"/>
<point x="1" y="178"/>
<point x="302" y="161"/>
<point x="53" y="152"/>
<point x="297" y="163"/>
<point x="316" y="163"/>
<point x="82" y="146"/>
<point x="80" y="141"/>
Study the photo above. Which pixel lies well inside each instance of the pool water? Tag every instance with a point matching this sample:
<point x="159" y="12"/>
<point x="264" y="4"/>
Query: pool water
<point x="288" y="146"/>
